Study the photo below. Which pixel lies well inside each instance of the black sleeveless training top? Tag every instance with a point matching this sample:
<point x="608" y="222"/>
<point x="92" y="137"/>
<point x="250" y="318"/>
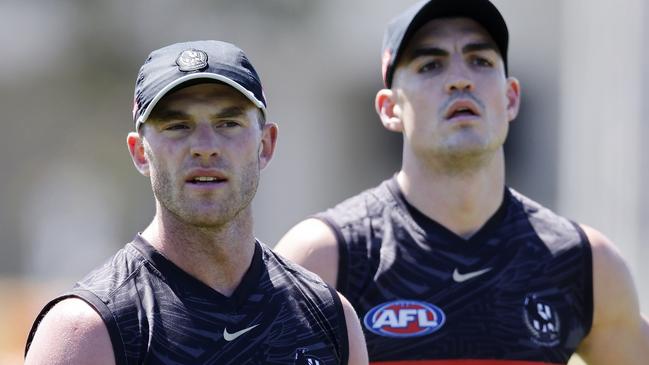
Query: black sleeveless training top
<point x="518" y="292"/>
<point x="158" y="314"/>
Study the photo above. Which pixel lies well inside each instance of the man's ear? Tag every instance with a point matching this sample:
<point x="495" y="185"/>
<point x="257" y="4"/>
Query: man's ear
<point x="135" y="143"/>
<point x="513" y="98"/>
<point x="268" y="143"/>
<point x="388" y="110"/>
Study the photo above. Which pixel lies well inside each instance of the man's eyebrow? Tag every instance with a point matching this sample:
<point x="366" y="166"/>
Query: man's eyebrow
<point x="164" y="115"/>
<point x="436" y="51"/>
<point x="428" y="51"/>
<point x="480" y="46"/>
<point x="233" y="111"/>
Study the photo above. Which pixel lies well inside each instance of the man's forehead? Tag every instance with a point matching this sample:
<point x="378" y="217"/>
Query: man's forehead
<point x="439" y="29"/>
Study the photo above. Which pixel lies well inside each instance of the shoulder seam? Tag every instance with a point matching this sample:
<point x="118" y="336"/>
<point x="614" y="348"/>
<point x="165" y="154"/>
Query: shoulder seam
<point x="128" y="278"/>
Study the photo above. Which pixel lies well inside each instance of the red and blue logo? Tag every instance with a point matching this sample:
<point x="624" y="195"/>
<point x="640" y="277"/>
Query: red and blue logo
<point x="404" y="318"/>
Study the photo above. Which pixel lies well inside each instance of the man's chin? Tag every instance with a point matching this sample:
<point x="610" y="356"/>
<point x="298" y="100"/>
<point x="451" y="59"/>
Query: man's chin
<point x="203" y="221"/>
<point x="206" y="216"/>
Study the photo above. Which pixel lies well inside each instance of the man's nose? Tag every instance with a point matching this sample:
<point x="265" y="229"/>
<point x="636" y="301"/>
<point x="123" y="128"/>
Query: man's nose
<point x="458" y="79"/>
<point x="205" y="142"/>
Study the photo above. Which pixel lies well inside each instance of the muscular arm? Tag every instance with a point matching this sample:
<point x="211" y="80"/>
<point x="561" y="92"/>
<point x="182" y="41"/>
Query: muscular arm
<point x="620" y="334"/>
<point x="71" y="333"/>
<point x="357" y="348"/>
<point x="312" y="244"/>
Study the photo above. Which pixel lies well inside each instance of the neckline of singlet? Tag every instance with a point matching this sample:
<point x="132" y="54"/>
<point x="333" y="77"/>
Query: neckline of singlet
<point x="432" y="228"/>
<point x="184" y="283"/>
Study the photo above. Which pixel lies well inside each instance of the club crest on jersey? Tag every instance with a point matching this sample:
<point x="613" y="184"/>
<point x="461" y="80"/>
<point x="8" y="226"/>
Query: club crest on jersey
<point x="302" y="358"/>
<point x="542" y="320"/>
<point x="191" y="60"/>
<point x="404" y="318"/>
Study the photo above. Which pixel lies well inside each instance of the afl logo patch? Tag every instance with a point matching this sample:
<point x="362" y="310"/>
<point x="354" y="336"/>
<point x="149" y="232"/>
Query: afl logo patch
<point x="191" y="60"/>
<point x="404" y="318"/>
<point x="542" y="320"/>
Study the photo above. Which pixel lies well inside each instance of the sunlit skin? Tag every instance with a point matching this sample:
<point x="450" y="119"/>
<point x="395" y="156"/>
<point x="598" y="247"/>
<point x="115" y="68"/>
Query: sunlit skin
<point x="451" y="100"/>
<point x="449" y="65"/>
<point x="203" y="149"/>
<point x="204" y="130"/>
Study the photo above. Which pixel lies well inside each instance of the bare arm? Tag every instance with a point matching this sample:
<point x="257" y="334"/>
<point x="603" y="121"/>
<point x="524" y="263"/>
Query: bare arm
<point x="619" y="335"/>
<point x="71" y="333"/>
<point x="357" y="348"/>
<point x="312" y="244"/>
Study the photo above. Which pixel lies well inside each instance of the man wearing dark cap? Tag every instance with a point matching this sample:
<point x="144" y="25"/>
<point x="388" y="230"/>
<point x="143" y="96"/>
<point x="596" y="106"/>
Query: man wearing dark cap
<point x="443" y="262"/>
<point x="196" y="287"/>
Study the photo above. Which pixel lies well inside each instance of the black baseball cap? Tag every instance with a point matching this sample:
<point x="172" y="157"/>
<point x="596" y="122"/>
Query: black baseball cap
<point x="176" y="65"/>
<point x="402" y="28"/>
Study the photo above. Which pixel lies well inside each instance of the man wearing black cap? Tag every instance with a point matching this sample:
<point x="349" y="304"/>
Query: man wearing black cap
<point x="444" y="263"/>
<point x="196" y="287"/>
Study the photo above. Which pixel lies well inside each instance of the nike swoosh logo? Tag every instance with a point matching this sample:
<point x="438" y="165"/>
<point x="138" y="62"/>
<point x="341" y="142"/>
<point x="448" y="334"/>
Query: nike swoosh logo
<point x="469" y="275"/>
<point x="233" y="336"/>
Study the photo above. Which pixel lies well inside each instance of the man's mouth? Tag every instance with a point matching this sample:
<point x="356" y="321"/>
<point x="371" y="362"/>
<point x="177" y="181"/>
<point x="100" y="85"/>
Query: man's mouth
<point x="462" y="108"/>
<point x="205" y="179"/>
<point x="462" y="112"/>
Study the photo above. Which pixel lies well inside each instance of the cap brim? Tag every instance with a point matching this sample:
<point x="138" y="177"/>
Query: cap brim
<point x="197" y="76"/>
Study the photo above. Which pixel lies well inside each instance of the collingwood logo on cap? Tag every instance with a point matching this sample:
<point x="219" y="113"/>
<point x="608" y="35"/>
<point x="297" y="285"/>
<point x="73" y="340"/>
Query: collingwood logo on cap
<point x="191" y="60"/>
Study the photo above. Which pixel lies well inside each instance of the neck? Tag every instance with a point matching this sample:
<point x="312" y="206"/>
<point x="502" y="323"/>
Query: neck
<point x="218" y="256"/>
<point x="460" y="199"/>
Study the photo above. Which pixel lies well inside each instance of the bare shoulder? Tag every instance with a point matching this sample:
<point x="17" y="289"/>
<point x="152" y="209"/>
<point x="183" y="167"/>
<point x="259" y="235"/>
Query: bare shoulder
<point x="312" y="244"/>
<point x="357" y="347"/>
<point x="612" y="279"/>
<point x="619" y="333"/>
<point x="72" y="332"/>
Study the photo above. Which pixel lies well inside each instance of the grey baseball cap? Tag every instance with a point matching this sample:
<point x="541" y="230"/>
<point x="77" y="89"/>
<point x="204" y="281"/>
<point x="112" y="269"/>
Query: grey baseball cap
<point x="172" y="66"/>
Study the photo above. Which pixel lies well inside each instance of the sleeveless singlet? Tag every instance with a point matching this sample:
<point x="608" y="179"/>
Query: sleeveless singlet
<point x="158" y="314"/>
<point x="517" y="292"/>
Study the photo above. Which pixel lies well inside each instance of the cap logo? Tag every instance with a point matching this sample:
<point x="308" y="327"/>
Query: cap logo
<point x="191" y="60"/>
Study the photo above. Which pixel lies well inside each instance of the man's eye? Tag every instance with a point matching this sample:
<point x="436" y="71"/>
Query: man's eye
<point x="481" y="62"/>
<point x="229" y="124"/>
<point x="176" y="127"/>
<point x="430" y="66"/>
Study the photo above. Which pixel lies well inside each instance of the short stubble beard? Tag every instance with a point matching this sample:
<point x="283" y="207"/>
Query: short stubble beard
<point x="227" y="210"/>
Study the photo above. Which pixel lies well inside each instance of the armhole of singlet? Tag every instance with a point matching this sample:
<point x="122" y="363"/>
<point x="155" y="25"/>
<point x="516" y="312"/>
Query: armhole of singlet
<point x="39" y="318"/>
<point x="588" y="273"/>
<point x="103" y="311"/>
<point x="342" y="329"/>
<point x="343" y="255"/>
